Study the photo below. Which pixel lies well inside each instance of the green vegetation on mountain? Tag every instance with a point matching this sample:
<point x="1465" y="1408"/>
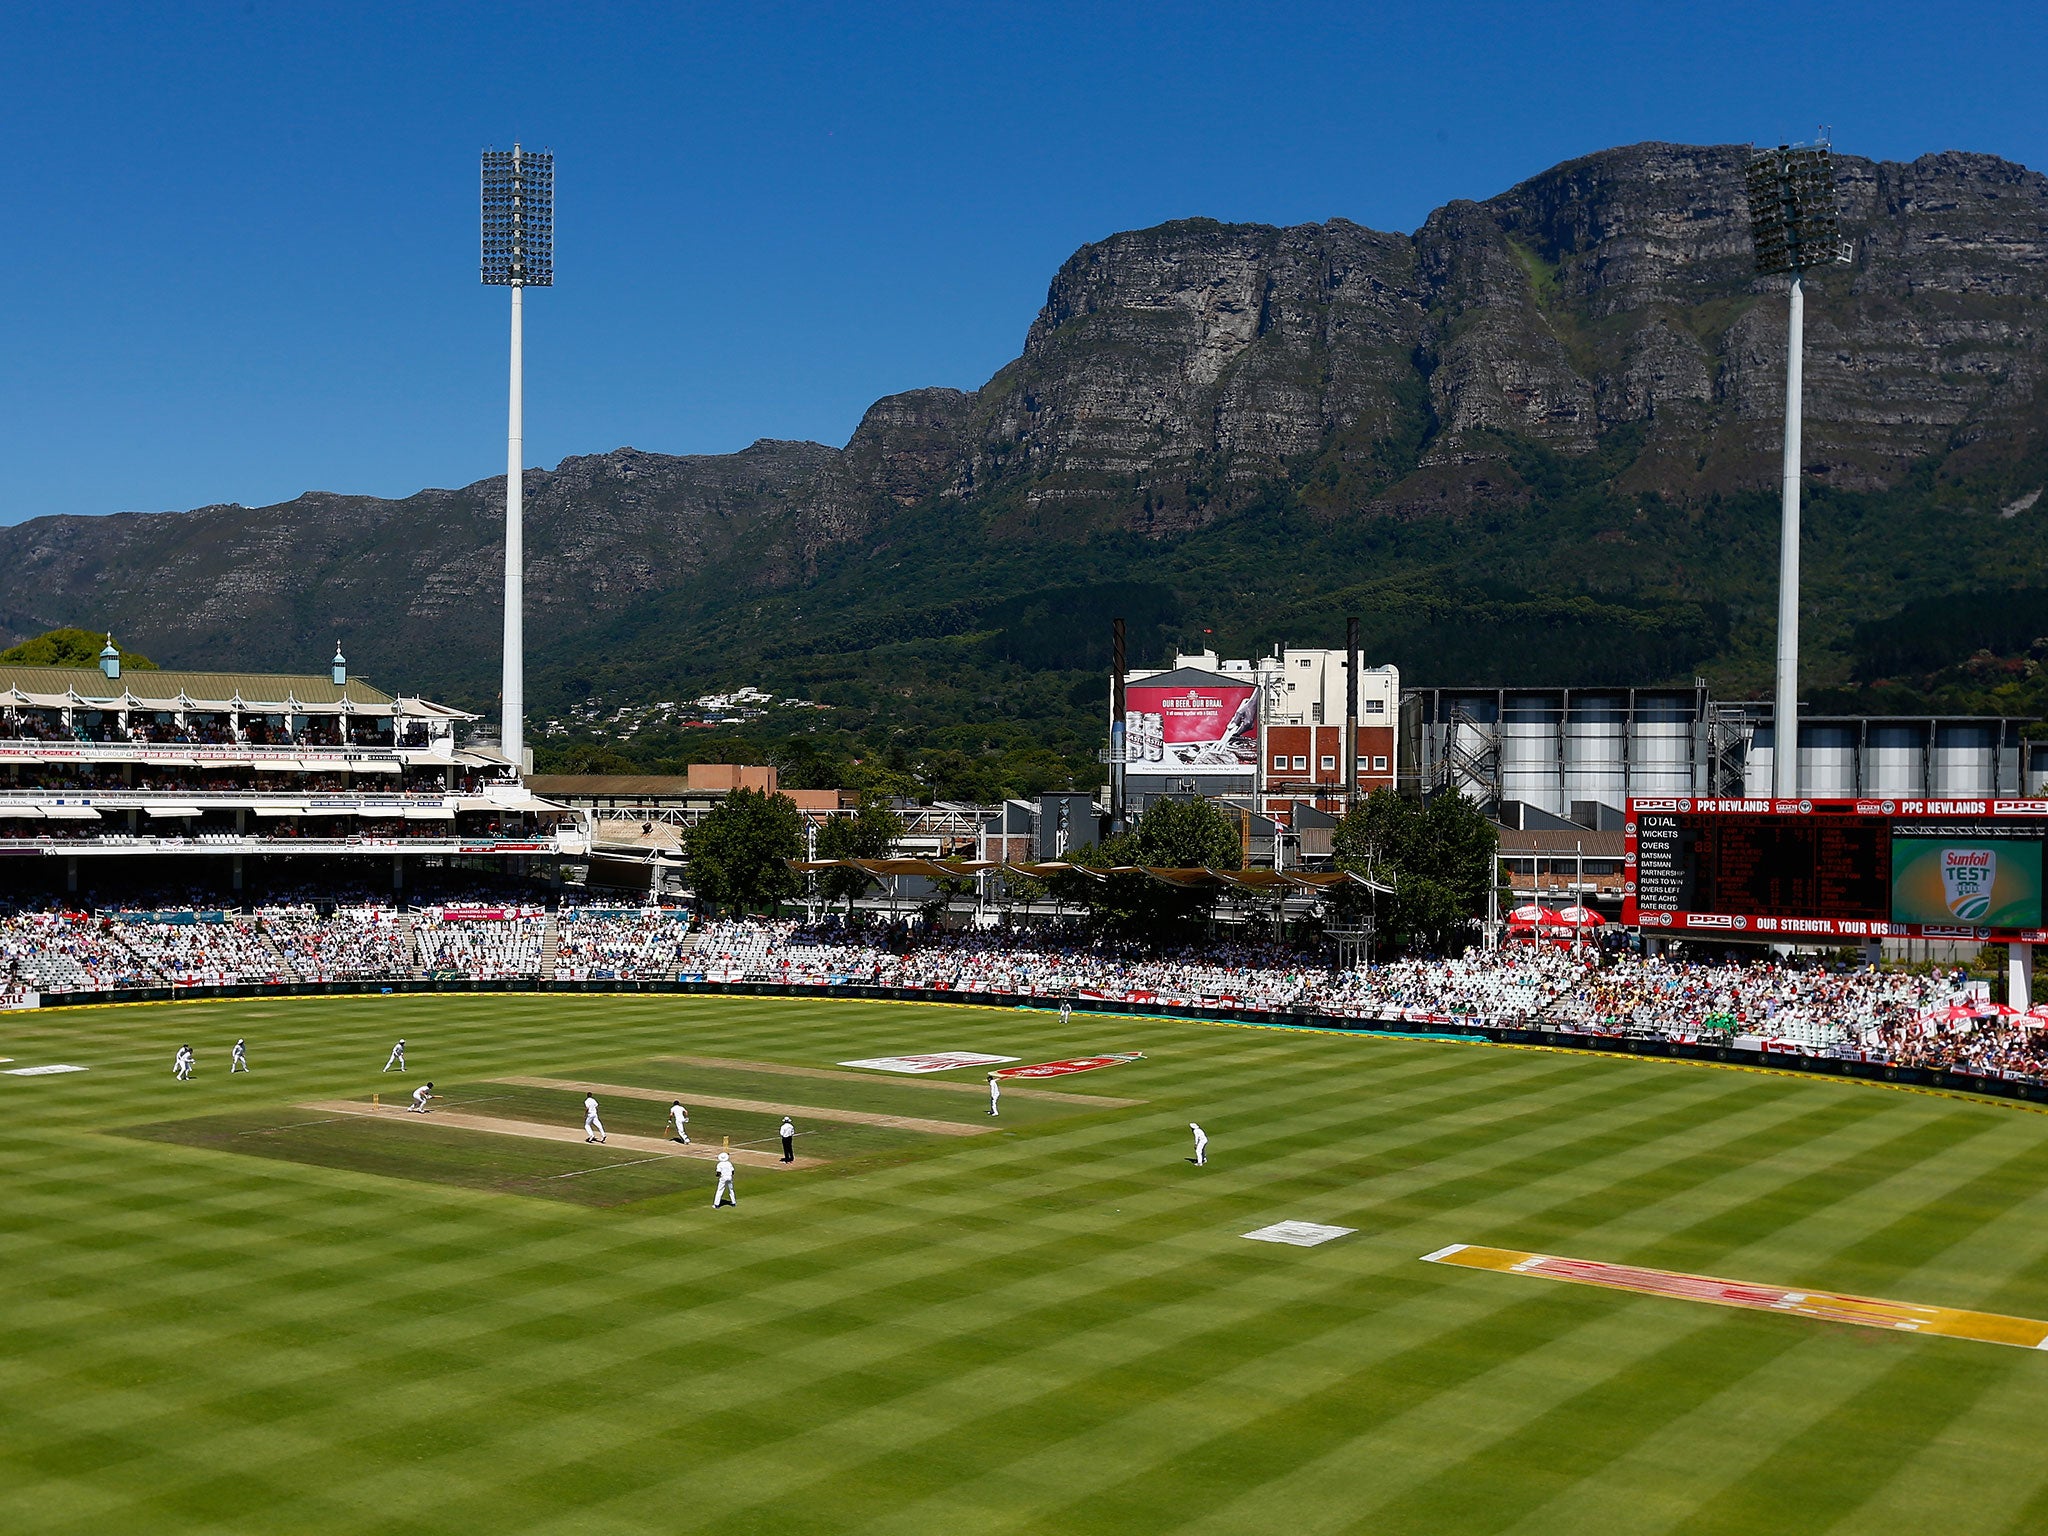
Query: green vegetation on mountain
<point x="70" y="648"/>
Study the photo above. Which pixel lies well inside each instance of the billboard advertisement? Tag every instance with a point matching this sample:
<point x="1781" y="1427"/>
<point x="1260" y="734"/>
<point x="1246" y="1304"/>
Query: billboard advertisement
<point x="1191" y="725"/>
<point x="1809" y="869"/>
<point x="1991" y="883"/>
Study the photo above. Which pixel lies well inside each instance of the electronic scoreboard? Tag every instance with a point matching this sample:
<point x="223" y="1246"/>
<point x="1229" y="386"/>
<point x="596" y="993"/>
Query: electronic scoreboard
<point x="1836" y="869"/>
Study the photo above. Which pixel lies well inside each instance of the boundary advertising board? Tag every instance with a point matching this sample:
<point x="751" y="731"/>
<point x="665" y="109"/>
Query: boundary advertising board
<point x="1804" y="871"/>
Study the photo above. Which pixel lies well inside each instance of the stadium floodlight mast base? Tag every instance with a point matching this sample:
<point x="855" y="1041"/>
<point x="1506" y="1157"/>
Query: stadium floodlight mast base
<point x="518" y="253"/>
<point x="1794" y="224"/>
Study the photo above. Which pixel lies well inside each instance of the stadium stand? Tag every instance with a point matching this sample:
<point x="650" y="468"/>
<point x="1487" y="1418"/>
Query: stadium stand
<point x="1925" y="1019"/>
<point x="602" y="944"/>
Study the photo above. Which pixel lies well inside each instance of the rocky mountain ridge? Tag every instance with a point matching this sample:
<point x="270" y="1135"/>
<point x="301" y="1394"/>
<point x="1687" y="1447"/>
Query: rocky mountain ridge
<point x="1199" y="394"/>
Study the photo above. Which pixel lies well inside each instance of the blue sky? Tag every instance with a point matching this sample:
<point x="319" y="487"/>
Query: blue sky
<point x="241" y="251"/>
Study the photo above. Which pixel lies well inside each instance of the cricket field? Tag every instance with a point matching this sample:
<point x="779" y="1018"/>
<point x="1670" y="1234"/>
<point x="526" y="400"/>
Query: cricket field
<point x="273" y="1302"/>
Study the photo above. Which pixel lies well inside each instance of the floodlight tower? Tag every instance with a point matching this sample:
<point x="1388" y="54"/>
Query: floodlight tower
<point x="1793" y="221"/>
<point x="518" y="253"/>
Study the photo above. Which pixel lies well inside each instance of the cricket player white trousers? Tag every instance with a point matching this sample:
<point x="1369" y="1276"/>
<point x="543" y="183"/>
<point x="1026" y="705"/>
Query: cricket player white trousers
<point x="724" y="1196"/>
<point x="397" y="1061"/>
<point x="593" y="1128"/>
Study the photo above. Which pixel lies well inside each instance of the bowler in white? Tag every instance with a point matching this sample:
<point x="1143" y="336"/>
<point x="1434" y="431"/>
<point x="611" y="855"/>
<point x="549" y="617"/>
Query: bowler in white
<point x="593" y="1128"/>
<point x="681" y="1119"/>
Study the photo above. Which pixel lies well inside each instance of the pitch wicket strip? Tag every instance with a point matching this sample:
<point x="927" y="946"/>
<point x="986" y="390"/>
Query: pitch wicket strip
<point x="1827" y="1306"/>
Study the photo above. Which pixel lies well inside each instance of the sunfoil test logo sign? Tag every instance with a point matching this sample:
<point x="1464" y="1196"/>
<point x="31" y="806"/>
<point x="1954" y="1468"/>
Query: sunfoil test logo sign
<point x="1966" y="879"/>
<point x="1985" y="882"/>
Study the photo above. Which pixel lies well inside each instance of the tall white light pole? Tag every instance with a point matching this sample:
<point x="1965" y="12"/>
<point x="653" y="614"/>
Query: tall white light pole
<point x="518" y="253"/>
<point x="1793" y="220"/>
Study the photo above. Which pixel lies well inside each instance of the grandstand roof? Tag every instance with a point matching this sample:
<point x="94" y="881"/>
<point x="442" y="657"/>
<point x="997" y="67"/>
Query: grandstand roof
<point x="57" y="687"/>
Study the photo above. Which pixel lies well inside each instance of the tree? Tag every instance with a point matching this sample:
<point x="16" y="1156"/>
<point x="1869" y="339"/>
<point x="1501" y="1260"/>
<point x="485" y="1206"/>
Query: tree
<point x="587" y="757"/>
<point x="1172" y="834"/>
<point x="1439" y="857"/>
<point x="70" y="648"/>
<point x="1188" y="834"/>
<point x="740" y="852"/>
<point x="870" y="833"/>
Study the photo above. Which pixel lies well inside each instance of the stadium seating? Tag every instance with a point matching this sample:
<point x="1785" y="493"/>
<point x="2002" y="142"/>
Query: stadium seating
<point x="1866" y="1013"/>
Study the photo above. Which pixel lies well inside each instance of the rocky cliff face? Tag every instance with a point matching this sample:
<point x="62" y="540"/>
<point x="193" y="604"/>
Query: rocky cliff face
<point x="1604" y="311"/>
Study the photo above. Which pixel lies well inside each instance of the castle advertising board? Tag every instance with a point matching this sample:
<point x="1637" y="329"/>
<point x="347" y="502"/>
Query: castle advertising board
<point x="1191" y="724"/>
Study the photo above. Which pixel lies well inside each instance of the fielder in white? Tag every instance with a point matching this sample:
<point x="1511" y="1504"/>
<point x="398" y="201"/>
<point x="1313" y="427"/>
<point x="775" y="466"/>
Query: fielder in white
<point x="181" y="1065"/>
<point x="1201" y="1145"/>
<point x="724" y="1195"/>
<point x="995" y="1093"/>
<point x="241" y="1061"/>
<point x="420" y="1095"/>
<point x="593" y="1128"/>
<point x="1066" y="1012"/>
<point x="397" y="1061"/>
<point x="681" y="1119"/>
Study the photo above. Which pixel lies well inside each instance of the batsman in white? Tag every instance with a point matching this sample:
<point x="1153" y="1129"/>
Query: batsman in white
<point x="723" y="1195"/>
<point x="397" y="1061"/>
<point x="420" y="1095"/>
<point x="241" y="1061"/>
<point x="593" y="1128"/>
<point x="1201" y="1158"/>
<point x="681" y="1119"/>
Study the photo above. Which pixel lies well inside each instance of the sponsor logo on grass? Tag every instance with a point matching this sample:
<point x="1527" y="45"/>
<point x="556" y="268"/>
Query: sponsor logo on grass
<point x="48" y="1071"/>
<point x="934" y="1061"/>
<point x="1826" y="1306"/>
<point x="1072" y="1064"/>
<point x="1299" y="1234"/>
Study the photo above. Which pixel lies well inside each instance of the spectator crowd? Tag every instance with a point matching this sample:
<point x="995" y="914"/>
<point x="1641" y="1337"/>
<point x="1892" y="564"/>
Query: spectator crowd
<point x="1932" y="1019"/>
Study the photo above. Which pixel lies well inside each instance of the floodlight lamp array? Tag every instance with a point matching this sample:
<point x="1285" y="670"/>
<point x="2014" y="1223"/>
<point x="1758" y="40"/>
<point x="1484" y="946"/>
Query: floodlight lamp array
<point x="519" y="218"/>
<point x="1792" y="213"/>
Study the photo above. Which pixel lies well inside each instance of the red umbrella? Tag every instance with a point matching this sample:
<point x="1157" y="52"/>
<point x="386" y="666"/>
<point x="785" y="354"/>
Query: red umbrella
<point x="1581" y="917"/>
<point x="1533" y="916"/>
<point x="1998" y="1011"/>
<point x="1954" y="1013"/>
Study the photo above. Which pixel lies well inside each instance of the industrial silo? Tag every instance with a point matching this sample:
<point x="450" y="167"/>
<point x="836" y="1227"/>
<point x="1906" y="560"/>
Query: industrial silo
<point x="1757" y="765"/>
<point x="1530" y="750"/>
<point x="1895" y="760"/>
<point x="1660" y="759"/>
<point x="1965" y="759"/>
<point x="1827" y="761"/>
<point x="1595" y="748"/>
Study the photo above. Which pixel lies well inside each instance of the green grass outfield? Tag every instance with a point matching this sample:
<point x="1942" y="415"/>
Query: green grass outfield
<point x="1056" y="1327"/>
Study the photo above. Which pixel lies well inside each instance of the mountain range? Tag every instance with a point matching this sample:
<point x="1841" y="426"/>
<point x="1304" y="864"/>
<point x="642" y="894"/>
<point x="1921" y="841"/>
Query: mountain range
<point x="1535" y="441"/>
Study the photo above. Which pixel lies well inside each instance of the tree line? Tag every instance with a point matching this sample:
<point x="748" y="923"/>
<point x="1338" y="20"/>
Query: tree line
<point x="1437" y="857"/>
